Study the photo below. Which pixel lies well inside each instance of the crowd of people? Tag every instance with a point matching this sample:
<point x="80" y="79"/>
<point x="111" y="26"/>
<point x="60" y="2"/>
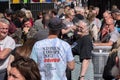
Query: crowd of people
<point x="50" y="44"/>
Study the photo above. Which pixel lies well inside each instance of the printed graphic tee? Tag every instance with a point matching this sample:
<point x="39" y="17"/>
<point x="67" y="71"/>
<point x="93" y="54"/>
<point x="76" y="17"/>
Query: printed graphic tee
<point x="52" y="56"/>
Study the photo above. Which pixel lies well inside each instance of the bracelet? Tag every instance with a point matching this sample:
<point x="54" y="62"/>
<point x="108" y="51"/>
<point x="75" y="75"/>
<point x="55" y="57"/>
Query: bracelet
<point x="80" y="77"/>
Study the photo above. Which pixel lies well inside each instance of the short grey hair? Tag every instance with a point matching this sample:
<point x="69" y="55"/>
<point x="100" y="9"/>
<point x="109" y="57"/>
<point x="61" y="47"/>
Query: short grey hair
<point x="3" y="20"/>
<point x="79" y="9"/>
<point x="84" y="20"/>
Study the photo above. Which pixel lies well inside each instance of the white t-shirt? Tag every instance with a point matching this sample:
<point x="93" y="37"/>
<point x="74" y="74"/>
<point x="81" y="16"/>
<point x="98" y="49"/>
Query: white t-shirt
<point x="52" y="56"/>
<point x="8" y="42"/>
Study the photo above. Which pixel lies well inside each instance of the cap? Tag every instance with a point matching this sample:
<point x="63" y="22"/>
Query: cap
<point x="115" y="11"/>
<point x="56" y="24"/>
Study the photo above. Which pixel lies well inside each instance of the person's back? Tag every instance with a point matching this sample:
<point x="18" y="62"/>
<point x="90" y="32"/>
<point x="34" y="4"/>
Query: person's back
<point x="53" y="55"/>
<point x="53" y="58"/>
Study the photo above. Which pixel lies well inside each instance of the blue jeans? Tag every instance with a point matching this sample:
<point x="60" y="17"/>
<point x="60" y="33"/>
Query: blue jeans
<point x="3" y="74"/>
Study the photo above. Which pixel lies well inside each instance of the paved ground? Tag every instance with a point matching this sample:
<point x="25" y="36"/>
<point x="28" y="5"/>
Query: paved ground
<point x="99" y="61"/>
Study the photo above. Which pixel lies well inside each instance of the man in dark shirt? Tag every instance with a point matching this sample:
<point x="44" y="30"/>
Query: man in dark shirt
<point x="83" y="49"/>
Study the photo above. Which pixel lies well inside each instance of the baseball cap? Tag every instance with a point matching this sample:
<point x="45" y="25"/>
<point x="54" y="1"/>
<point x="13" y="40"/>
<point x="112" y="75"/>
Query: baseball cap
<point x="115" y="11"/>
<point x="56" y="24"/>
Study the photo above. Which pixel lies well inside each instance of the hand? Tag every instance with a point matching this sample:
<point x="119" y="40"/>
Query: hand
<point x="95" y="44"/>
<point x="73" y="27"/>
<point x="26" y="29"/>
<point x="79" y="33"/>
<point x="70" y="29"/>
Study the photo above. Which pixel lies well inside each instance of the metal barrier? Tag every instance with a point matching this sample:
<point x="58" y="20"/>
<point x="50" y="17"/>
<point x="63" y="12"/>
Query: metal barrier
<point x="37" y="7"/>
<point x="3" y="6"/>
<point x="34" y="7"/>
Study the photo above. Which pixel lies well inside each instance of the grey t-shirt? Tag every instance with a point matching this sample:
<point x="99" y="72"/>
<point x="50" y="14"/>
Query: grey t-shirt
<point x="114" y="36"/>
<point x="41" y="34"/>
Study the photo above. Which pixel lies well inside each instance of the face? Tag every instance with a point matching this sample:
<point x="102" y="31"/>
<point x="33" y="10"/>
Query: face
<point x="109" y="21"/>
<point x="106" y="15"/>
<point x="94" y="12"/>
<point x="114" y="16"/>
<point x="15" y="75"/>
<point x="66" y="9"/>
<point x="3" y="29"/>
<point x="97" y="11"/>
<point x="81" y="26"/>
<point x="82" y="12"/>
<point x="72" y="11"/>
<point x="28" y="24"/>
<point x="117" y="16"/>
<point x="47" y="17"/>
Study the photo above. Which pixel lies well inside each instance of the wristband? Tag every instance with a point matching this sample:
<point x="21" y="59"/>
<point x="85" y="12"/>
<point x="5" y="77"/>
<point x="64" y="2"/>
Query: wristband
<point x="81" y="76"/>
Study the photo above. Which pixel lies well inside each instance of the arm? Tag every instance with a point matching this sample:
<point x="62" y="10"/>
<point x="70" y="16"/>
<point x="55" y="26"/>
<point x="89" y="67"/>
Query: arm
<point x="64" y="31"/>
<point x="7" y="47"/>
<point x="84" y="68"/>
<point x="103" y="44"/>
<point x="70" y="58"/>
<point x="5" y="53"/>
<point x="71" y="65"/>
<point x="9" y="63"/>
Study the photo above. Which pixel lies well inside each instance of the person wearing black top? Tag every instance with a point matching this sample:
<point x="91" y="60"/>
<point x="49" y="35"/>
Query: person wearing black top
<point x="83" y="50"/>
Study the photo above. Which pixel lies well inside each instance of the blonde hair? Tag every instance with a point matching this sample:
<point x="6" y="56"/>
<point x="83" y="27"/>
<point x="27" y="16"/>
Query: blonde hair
<point x="28" y="14"/>
<point x="1" y="15"/>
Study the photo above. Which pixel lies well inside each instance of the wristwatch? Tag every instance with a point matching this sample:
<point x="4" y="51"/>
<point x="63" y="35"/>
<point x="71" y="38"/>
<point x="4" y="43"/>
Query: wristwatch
<point x="80" y="77"/>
